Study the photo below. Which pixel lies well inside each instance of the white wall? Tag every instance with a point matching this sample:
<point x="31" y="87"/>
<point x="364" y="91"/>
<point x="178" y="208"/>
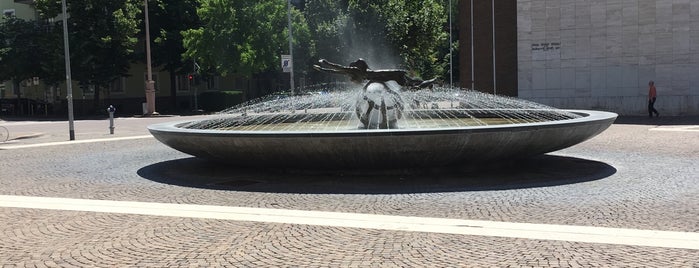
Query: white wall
<point x="600" y="54"/>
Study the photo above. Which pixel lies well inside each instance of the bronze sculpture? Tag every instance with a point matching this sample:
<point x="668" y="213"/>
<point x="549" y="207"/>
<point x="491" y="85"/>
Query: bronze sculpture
<point x="373" y="100"/>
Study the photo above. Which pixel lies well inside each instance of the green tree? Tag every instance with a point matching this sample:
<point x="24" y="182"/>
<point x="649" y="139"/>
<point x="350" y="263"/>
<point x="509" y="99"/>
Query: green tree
<point x="367" y="34"/>
<point x="245" y="37"/>
<point x="167" y="21"/>
<point x="444" y="49"/>
<point x="416" y="29"/>
<point x="19" y="59"/>
<point x="389" y="33"/>
<point x="48" y="8"/>
<point x="327" y="19"/>
<point x="52" y="62"/>
<point x="103" y="34"/>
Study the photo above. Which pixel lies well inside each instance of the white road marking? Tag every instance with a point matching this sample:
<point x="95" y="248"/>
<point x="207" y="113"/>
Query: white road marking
<point x="693" y="128"/>
<point x="22" y="146"/>
<point x="586" y="234"/>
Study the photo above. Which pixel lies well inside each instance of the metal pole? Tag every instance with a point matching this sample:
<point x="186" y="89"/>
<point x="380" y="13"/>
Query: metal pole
<point x="451" y="64"/>
<point x="111" y="111"/>
<point x="150" y="84"/>
<point x="111" y="123"/>
<point x="291" y="48"/>
<point x="69" y="84"/>
<point x="495" y="81"/>
<point x="473" y="80"/>
<point x="196" y="95"/>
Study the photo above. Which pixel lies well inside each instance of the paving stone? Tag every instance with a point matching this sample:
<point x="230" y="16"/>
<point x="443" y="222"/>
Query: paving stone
<point x="628" y="177"/>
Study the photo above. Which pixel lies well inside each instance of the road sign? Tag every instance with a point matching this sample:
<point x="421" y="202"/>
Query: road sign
<point x="196" y="68"/>
<point x="287" y="63"/>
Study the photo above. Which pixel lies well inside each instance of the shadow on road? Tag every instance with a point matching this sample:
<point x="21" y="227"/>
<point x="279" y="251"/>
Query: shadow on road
<point x="542" y="171"/>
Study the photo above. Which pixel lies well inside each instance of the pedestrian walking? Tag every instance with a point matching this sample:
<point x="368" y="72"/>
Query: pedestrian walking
<point x="652" y="96"/>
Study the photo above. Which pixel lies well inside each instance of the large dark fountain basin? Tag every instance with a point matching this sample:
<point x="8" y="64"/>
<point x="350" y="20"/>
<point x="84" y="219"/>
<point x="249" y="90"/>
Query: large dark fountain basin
<point x="383" y="148"/>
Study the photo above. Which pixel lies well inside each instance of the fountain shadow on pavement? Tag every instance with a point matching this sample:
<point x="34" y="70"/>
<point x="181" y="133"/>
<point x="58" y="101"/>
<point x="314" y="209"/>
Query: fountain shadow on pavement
<point x="540" y="171"/>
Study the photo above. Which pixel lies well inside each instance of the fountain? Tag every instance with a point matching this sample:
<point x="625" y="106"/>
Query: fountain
<point x="382" y="124"/>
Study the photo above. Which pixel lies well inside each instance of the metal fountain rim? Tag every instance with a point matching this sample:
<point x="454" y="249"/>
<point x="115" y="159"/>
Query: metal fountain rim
<point x="587" y="116"/>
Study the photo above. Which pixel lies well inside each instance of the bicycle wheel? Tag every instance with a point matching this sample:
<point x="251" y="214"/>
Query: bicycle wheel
<point x="4" y="134"/>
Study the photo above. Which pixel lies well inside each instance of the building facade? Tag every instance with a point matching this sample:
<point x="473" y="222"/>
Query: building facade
<point x="490" y="22"/>
<point x="593" y="54"/>
<point x="601" y="54"/>
<point x="18" y="9"/>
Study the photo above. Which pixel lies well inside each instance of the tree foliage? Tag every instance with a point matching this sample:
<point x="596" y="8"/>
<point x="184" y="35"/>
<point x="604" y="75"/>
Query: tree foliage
<point x="327" y="21"/>
<point x="167" y="21"/>
<point x="19" y="59"/>
<point x="245" y="37"/>
<point x="107" y="30"/>
<point x="242" y="36"/>
<point x="414" y="28"/>
<point x="102" y="35"/>
<point x="419" y="31"/>
<point x="388" y="33"/>
<point x="52" y="59"/>
<point x="48" y="8"/>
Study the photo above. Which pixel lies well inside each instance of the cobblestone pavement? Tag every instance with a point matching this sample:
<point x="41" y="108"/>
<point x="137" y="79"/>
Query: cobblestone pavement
<point x="630" y="176"/>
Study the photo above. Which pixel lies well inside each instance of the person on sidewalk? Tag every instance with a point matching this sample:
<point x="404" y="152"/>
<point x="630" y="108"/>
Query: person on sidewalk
<point x="652" y="96"/>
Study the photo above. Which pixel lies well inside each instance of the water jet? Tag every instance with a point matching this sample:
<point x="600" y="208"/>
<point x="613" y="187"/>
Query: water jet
<point x="325" y="128"/>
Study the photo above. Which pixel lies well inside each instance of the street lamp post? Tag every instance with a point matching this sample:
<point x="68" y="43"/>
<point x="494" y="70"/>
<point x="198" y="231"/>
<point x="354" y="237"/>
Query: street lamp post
<point x="150" y="84"/>
<point x="291" y="47"/>
<point x="69" y="84"/>
<point x="473" y="80"/>
<point x="495" y="80"/>
<point x="451" y="67"/>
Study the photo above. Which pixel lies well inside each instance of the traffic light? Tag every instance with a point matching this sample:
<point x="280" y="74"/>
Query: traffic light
<point x="194" y="79"/>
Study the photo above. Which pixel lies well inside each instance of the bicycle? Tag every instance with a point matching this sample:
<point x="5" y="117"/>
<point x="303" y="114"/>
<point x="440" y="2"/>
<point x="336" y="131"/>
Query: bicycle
<point x="4" y="134"/>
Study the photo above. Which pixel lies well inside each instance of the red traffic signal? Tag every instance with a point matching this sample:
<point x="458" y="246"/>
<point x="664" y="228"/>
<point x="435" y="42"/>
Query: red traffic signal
<point x="190" y="77"/>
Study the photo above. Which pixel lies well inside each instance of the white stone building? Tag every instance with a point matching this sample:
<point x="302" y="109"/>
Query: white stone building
<point x="600" y="54"/>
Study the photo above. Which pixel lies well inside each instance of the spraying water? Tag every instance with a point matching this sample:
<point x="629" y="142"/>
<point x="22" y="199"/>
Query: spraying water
<point x="341" y="107"/>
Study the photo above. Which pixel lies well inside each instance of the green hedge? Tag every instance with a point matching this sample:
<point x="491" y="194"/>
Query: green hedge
<point x="219" y="100"/>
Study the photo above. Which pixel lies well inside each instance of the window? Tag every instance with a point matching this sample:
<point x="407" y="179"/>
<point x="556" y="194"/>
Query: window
<point x="8" y="12"/>
<point x="88" y="89"/>
<point x="118" y="86"/>
<point x="182" y="82"/>
<point x="212" y="82"/>
<point x="240" y="83"/>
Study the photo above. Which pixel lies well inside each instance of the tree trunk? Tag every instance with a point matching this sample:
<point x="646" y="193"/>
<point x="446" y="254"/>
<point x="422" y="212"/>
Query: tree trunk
<point x="173" y="90"/>
<point x="96" y="100"/>
<point x="17" y="91"/>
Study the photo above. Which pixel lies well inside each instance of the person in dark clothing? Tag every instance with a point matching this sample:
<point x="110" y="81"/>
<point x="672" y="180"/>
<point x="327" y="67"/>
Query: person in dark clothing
<point x="652" y="96"/>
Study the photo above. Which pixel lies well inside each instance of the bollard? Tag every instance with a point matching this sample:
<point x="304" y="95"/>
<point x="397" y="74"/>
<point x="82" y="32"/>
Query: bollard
<point x="111" y="111"/>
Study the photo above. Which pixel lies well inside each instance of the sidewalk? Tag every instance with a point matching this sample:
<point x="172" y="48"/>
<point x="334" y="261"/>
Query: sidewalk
<point x="33" y="131"/>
